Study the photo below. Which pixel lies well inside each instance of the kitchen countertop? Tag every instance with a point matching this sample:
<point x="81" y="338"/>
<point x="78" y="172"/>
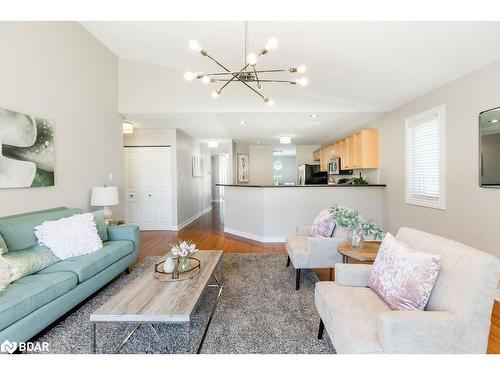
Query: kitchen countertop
<point x="296" y="186"/>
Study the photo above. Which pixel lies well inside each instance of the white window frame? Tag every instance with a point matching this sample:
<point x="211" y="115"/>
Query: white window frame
<point x="410" y="123"/>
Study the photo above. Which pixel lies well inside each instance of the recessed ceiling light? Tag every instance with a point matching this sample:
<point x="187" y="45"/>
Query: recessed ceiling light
<point x="243" y="122"/>
<point x="258" y="142"/>
<point x="213" y="144"/>
<point x="284" y="140"/>
<point x="128" y="127"/>
<point x="494" y="120"/>
<point x="314" y="115"/>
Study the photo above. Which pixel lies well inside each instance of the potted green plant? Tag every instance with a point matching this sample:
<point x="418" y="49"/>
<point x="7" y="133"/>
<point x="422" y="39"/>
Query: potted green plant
<point x="356" y="224"/>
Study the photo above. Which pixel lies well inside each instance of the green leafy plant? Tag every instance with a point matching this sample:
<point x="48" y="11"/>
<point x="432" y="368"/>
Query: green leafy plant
<point x="353" y="220"/>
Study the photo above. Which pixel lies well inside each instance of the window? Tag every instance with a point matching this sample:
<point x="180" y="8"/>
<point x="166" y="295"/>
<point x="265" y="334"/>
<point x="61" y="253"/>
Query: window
<point x="425" y="159"/>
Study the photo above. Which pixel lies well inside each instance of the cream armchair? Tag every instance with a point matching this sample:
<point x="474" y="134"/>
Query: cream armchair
<point x="457" y="318"/>
<point x="306" y="252"/>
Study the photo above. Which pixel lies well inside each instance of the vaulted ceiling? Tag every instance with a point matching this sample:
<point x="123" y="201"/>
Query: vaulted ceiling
<point x="356" y="70"/>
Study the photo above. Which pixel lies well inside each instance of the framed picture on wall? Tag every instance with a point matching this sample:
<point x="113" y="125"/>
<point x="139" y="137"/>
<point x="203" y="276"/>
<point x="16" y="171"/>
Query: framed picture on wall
<point x="26" y="150"/>
<point x="243" y="168"/>
<point x="197" y="166"/>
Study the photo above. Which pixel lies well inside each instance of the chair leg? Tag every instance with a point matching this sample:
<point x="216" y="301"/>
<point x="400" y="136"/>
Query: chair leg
<point x="297" y="279"/>
<point x="127" y="270"/>
<point x="321" y="329"/>
<point x="288" y="261"/>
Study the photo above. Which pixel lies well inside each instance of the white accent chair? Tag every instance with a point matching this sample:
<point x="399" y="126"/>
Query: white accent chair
<point x="306" y="252"/>
<point x="457" y="317"/>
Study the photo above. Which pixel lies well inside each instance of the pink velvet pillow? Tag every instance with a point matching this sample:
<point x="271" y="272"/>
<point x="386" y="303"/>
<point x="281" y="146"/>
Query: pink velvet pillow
<point x="403" y="277"/>
<point x="323" y="225"/>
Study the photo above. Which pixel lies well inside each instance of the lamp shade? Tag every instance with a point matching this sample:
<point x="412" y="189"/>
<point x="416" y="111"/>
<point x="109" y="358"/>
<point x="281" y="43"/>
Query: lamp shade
<point x="104" y="196"/>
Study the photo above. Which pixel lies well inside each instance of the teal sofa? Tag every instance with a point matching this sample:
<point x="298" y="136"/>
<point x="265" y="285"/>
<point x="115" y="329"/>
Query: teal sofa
<point x="33" y="302"/>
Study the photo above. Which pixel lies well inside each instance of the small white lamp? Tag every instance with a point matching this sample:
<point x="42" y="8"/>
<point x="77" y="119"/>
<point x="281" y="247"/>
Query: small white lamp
<point x="105" y="196"/>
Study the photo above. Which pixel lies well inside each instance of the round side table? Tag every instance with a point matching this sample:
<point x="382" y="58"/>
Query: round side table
<point x="366" y="254"/>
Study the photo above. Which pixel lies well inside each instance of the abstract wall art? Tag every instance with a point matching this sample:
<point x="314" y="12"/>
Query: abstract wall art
<point x="26" y="150"/>
<point x="243" y="168"/>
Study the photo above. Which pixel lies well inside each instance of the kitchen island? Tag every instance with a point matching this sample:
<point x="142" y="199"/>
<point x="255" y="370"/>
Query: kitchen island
<point x="268" y="213"/>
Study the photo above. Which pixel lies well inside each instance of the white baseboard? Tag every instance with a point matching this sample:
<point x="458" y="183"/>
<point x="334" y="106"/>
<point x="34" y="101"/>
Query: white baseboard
<point x="254" y="237"/>
<point x="193" y="218"/>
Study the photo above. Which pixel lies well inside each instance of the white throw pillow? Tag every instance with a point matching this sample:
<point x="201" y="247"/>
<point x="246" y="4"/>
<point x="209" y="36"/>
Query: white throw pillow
<point x="5" y="272"/>
<point x="70" y="236"/>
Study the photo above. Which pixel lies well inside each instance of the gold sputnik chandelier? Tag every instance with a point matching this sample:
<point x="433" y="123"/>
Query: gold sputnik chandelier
<point x="249" y="75"/>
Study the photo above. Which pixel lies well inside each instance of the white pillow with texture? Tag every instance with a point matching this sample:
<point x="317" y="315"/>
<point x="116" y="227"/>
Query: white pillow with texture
<point x="5" y="273"/>
<point x="70" y="236"/>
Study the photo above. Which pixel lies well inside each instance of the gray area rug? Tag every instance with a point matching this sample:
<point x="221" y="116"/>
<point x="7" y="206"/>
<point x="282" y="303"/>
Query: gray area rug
<point x="259" y="312"/>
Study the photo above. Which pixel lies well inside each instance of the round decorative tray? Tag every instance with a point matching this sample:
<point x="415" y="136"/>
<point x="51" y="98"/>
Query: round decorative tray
<point x="193" y="270"/>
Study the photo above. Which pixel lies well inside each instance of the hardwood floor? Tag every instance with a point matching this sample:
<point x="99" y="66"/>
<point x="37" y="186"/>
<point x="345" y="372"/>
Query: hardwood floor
<point x="208" y="233"/>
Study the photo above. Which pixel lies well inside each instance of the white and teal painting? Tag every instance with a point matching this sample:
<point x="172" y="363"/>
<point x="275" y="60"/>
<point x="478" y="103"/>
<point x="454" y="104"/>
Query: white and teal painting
<point x="26" y="150"/>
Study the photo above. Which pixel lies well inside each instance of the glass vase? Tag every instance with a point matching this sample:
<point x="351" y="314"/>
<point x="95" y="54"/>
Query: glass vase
<point x="183" y="264"/>
<point x="356" y="239"/>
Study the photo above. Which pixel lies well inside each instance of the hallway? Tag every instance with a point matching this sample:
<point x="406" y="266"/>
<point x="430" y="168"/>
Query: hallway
<point x="208" y="233"/>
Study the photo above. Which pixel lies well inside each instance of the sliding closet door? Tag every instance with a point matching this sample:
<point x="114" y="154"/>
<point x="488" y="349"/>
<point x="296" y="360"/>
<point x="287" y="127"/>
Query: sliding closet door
<point x="148" y="187"/>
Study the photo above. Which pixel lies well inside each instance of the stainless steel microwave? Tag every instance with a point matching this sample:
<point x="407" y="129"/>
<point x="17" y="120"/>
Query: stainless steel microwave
<point x="335" y="167"/>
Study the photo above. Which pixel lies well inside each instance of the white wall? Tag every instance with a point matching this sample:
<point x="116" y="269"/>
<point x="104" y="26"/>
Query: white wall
<point x="58" y="71"/>
<point x="472" y="213"/>
<point x="150" y="137"/>
<point x="304" y="154"/>
<point x="261" y="164"/>
<point x="272" y="213"/>
<point x="193" y="193"/>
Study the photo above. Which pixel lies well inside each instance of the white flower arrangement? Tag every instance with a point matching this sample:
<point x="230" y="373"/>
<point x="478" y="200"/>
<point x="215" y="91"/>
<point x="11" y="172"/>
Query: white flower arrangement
<point x="183" y="248"/>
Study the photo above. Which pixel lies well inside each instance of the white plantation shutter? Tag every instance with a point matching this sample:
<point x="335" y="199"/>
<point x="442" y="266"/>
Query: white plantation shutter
<point x="424" y="159"/>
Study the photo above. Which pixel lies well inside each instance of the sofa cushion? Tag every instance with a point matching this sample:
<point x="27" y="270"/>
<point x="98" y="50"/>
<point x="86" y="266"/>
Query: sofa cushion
<point x="350" y="315"/>
<point x="18" y="231"/>
<point x="3" y="246"/>
<point x="88" y="265"/>
<point x="70" y="236"/>
<point x="403" y="277"/>
<point x="100" y="224"/>
<point x="29" y="261"/>
<point x="32" y="292"/>
<point x="323" y="225"/>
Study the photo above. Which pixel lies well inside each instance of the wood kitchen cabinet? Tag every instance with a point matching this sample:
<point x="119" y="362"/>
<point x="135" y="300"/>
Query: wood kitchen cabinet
<point x="324" y="159"/>
<point x="367" y="153"/>
<point x="357" y="151"/>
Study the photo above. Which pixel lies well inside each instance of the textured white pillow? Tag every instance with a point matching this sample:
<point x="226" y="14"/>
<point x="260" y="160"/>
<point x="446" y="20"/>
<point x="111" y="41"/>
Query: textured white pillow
<point x="70" y="236"/>
<point x="5" y="272"/>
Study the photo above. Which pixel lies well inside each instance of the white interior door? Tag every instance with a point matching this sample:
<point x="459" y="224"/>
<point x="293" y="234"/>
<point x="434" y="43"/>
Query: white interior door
<point x="148" y="187"/>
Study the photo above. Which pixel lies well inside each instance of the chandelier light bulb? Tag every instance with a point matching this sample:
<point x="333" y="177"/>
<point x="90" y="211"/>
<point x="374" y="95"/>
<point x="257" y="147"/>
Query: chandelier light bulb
<point x="303" y="81"/>
<point x="194" y="45"/>
<point x="271" y="44"/>
<point x="269" y="102"/>
<point x="189" y="76"/>
<point x="301" y="69"/>
<point x="252" y="58"/>
<point x="206" y="79"/>
<point x="215" y="94"/>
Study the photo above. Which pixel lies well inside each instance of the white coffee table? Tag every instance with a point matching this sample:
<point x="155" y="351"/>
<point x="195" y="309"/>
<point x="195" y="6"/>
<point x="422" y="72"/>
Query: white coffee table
<point x="148" y="301"/>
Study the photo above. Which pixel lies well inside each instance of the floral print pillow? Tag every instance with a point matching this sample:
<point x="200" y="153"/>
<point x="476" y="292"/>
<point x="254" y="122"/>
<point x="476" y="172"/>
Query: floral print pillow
<point x="403" y="277"/>
<point x="323" y="225"/>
